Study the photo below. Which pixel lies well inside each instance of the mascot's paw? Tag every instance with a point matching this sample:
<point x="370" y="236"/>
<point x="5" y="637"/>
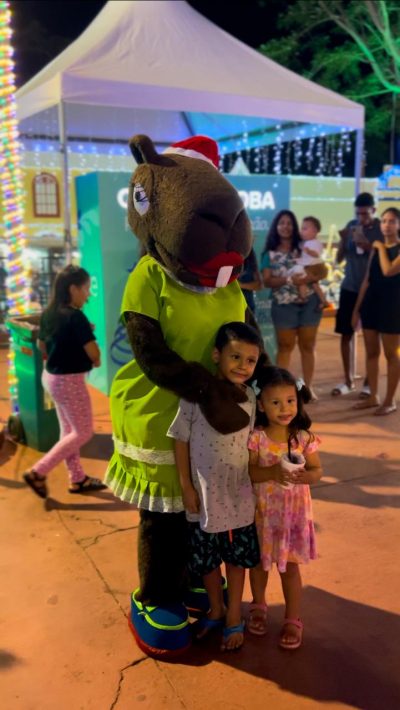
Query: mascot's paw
<point x="196" y="600"/>
<point x="162" y="632"/>
<point x="221" y="407"/>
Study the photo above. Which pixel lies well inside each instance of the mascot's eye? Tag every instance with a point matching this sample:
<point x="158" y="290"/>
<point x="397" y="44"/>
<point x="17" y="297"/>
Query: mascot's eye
<point x="140" y="200"/>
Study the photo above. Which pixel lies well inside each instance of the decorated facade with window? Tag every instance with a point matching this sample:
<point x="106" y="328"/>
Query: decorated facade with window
<point x="45" y="194"/>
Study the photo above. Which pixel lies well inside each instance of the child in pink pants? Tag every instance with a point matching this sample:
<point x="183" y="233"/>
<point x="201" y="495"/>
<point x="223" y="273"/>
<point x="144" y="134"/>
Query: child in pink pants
<point x="69" y="346"/>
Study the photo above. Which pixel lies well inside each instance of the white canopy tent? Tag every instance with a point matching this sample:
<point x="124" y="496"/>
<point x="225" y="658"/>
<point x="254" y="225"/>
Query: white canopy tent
<point x="159" y="67"/>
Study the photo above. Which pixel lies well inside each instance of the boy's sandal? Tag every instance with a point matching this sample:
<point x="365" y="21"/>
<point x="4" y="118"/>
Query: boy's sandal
<point x="37" y="483"/>
<point x="205" y="626"/>
<point x="342" y="390"/>
<point x="88" y="484"/>
<point x="230" y="631"/>
<point x="257" y="623"/>
<point x="297" y="638"/>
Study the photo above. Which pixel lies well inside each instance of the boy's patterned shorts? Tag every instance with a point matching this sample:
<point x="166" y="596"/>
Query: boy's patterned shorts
<point x="207" y="551"/>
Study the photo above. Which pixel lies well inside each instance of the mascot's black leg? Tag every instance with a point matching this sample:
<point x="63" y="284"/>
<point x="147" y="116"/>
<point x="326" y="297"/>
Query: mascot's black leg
<point x="162" y="554"/>
<point x="159" y="620"/>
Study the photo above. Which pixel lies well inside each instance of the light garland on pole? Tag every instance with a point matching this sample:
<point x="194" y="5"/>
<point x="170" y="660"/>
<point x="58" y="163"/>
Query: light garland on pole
<point x="11" y="185"/>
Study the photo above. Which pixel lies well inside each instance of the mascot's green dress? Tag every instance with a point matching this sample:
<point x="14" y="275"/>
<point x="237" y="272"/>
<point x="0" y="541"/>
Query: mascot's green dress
<point x="196" y="234"/>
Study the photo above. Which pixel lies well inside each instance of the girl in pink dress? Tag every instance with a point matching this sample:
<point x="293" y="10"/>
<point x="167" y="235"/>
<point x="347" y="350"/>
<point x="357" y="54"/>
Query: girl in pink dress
<point x="283" y="501"/>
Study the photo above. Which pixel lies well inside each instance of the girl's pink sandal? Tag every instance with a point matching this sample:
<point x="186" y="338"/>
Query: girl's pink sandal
<point x="257" y="623"/>
<point x="296" y="643"/>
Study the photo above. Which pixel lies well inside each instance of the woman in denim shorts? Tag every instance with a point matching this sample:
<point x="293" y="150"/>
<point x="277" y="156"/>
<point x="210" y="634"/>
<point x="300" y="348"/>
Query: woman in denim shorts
<point x="294" y="319"/>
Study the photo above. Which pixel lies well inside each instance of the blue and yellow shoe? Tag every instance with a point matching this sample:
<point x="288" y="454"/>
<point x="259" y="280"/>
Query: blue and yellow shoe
<point x="160" y="631"/>
<point x="196" y="600"/>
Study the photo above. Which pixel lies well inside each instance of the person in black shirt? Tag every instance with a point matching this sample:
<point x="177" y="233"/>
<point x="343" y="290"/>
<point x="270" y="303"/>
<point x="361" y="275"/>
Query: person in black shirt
<point x="378" y="303"/>
<point x="355" y="248"/>
<point x="68" y="345"/>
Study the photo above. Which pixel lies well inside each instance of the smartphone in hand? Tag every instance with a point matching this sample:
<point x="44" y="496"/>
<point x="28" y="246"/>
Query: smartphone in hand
<point x="359" y="238"/>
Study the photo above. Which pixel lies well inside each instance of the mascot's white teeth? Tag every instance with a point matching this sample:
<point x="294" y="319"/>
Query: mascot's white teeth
<point x="224" y="274"/>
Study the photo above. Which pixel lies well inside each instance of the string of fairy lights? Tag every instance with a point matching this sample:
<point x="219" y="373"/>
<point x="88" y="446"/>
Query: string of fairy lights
<point x="11" y="186"/>
<point x="320" y="155"/>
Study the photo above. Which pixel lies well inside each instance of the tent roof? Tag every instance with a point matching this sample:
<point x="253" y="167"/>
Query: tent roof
<point x="166" y="56"/>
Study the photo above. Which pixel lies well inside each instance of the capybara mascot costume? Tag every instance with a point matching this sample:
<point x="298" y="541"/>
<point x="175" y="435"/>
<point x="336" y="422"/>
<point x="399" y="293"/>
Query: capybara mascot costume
<point x="195" y="233"/>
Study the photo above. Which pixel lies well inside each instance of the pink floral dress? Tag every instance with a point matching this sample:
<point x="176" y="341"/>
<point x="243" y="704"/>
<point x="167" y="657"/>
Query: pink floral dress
<point x="283" y="515"/>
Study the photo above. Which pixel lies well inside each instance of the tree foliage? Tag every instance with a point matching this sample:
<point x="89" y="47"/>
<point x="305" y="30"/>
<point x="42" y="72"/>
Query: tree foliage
<point x="349" y="46"/>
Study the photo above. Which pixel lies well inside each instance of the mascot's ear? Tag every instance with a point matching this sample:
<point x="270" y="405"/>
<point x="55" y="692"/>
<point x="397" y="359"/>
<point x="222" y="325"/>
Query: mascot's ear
<point x="143" y="150"/>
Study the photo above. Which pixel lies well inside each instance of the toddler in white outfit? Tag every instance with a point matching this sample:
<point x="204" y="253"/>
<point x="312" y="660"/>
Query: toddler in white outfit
<point x="310" y="262"/>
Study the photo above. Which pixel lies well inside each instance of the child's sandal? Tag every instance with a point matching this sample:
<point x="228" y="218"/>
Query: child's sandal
<point x="230" y="631"/>
<point x="257" y="623"/>
<point x="87" y="484"/>
<point x="297" y="638"/>
<point x="37" y="483"/>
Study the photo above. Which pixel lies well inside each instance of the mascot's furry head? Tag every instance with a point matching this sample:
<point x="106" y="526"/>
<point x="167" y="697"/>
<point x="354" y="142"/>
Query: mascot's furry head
<point x="187" y="216"/>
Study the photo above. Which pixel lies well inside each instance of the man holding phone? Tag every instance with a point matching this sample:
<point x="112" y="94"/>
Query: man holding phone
<point x="355" y="246"/>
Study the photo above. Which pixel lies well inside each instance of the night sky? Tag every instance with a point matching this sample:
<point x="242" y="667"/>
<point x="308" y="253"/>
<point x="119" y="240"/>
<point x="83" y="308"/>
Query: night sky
<point x="43" y="29"/>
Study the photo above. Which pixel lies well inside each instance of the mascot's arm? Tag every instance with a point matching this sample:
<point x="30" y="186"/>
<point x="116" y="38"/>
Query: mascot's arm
<point x="188" y="380"/>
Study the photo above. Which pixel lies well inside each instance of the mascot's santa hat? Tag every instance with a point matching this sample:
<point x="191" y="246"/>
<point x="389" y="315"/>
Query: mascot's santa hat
<point x="200" y="147"/>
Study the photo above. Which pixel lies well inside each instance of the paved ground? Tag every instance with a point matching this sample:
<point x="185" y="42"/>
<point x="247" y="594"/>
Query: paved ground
<point x="67" y="569"/>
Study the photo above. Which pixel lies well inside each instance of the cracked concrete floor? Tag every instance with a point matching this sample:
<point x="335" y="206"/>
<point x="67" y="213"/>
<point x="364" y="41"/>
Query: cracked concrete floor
<point x="68" y="567"/>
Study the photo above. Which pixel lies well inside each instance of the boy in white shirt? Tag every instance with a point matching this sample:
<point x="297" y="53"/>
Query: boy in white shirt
<point x="310" y="262"/>
<point x="216" y="488"/>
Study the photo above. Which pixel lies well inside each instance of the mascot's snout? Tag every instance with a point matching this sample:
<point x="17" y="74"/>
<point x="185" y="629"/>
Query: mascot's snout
<point x="220" y="270"/>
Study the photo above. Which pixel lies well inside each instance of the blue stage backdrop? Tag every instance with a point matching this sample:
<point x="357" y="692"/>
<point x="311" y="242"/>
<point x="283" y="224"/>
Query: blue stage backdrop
<point x="109" y="251"/>
<point x="263" y="197"/>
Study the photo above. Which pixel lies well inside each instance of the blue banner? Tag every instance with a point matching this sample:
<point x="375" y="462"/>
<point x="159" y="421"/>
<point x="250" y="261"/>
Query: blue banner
<point x="263" y="197"/>
<point x="109" y="251"/>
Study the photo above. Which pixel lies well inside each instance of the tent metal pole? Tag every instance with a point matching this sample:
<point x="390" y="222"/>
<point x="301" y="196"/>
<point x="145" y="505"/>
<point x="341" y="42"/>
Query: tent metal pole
<point x="358" y="166"/>
<point x="65" y="170"/>
<point x="187" y="123"/>
<point x="358" y="160"/>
